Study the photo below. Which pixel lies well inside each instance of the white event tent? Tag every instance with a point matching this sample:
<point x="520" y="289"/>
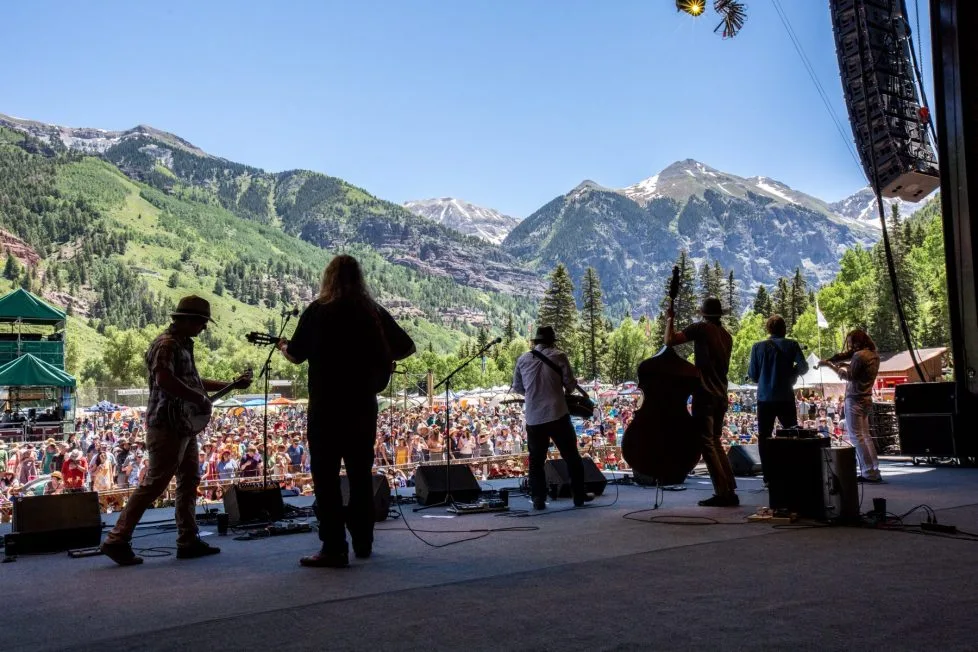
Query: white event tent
<point x="823" y="379"/>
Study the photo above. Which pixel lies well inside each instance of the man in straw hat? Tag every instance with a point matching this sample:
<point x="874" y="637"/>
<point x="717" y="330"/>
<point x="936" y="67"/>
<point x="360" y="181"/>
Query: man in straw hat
<point x="547" y="416"/>
<point x="173" y="383"/>
<point x="712" y="346"/>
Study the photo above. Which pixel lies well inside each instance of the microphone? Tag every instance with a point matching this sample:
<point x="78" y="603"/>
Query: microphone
<point x="293" y="311"/>
<point x="498" y="340"/>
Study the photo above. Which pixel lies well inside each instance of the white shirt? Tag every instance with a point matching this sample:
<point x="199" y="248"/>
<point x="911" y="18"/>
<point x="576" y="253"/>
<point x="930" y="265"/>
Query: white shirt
<point x="542" y="386"/>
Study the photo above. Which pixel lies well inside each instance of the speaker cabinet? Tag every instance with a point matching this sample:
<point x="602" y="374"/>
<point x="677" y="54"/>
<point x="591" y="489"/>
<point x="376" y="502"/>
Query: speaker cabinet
<point x="58" y="522"/>
<point x="744" y="459"/>
<point x="253" y="504"/>
<point x="840" y="492"/>
<point x="558" y="478"/>
<point x="381" y="495"/>
<point x="431" y="486"/>
<point x="925" y="398"/>
<point x="794" y="472"/>
<point x="925" y="414"/>
<point x="881" y="96"/>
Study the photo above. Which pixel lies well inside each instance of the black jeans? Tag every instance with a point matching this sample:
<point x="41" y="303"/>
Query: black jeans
<point x="538" y="440"/>
<point x="786" y="412"/>
<point x="708" y="414"/>
<point x="352" y="443"/>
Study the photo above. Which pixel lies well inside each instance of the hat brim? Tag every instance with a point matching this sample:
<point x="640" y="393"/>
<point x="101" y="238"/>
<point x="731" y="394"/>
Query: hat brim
<point x="192" y="314"/>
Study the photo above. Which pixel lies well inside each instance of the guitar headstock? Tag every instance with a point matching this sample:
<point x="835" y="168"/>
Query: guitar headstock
<point x="261" y="339"/>
<point x="674" y="284"/>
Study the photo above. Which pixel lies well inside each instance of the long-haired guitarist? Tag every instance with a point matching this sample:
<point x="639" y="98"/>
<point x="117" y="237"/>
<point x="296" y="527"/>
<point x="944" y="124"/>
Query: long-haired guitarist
<point x="351" y="343"/>
<point x="176" y="394"/>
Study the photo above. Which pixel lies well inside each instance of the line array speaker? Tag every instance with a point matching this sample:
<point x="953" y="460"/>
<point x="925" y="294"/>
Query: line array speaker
<point x="872" y="41"/>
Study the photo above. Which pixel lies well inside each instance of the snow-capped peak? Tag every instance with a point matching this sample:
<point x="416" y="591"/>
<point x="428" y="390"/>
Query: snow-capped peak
<point x="464" y="217"/>
<point x="643" y="191"/>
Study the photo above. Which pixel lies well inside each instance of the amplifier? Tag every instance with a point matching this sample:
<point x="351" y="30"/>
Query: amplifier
<point x="794" y="469"/>
<point x="57" y="522"/>
<point x="253" y="504"/>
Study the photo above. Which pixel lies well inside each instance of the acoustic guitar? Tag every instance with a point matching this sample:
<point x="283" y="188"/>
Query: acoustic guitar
<point x="198" y="416"/>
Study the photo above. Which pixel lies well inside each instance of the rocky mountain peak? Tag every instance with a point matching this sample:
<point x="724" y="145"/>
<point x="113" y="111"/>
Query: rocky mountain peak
<point x="462" y="216"/>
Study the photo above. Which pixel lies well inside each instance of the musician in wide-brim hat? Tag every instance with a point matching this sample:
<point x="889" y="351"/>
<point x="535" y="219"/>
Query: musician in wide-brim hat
<point x="176" y="390"/>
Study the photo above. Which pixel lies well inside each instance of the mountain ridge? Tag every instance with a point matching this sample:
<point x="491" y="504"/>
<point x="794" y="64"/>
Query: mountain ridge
<point x="465" y="217"/>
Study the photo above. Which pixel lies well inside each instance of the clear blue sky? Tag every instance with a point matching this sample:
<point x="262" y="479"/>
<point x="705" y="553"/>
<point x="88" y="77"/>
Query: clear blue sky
<point x="505" y="103"/>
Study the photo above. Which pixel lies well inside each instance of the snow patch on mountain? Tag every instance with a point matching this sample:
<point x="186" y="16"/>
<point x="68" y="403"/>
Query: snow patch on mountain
<point x="861" y="208"/>
<point x="464" y="217"/>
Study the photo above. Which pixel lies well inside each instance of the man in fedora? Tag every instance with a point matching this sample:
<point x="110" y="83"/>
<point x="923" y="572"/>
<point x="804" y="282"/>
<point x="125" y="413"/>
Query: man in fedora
<point x="712" y="346"/>
<point x="173" y="384"/>
<point x="547" y="416"/>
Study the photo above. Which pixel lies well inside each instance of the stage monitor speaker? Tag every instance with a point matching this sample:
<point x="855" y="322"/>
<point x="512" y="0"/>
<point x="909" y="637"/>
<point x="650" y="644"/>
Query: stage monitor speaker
<point x="794" y="469"/>
<point x="925" y="398"/>
<point x="381" y="495"/>
<point x="840" y="491"/>
<point x="925" y="416"/>
<point x="432" y="487"/>
<point x="253" y="504"/>
<point x="744" y="459"/>
<point x="558" y="478"/>
<point x="57" y="522"/>
<point x="872" y="42"/>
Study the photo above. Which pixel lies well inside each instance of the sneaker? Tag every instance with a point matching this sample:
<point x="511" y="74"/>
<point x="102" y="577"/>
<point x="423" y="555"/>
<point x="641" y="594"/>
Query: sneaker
<point x="870" y="480"/>
<point x="196" y="549"/>
<point x="721" y="501"/>
<point x="121" y="553"/>
<point x="326" y="560"/>
<point x="539" y="503"/>
<point x="584" y="498"/>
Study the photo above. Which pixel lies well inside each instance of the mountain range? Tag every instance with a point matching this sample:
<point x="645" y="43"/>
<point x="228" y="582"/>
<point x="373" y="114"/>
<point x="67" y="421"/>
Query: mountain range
<point x="485" y="223"/>
<point x="757" y="227"/>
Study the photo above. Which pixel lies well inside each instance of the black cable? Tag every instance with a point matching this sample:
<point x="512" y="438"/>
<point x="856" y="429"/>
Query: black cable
<point x="818" y="85"/>
<point x="874" y="182"/>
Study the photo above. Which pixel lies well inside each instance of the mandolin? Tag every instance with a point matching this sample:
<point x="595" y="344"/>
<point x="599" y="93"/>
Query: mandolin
<point x="660" y="441"/>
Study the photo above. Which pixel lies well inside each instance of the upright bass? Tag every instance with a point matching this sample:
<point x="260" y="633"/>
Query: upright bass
<point x="660" y="442"/>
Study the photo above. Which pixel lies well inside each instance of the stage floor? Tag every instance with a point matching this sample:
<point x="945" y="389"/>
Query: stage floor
<point x="582" y="578"/>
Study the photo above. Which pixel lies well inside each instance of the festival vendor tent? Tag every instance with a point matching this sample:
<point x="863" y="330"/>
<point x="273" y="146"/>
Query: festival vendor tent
<point x="21" y="308"/>
<point x="28" y="372"/>
<point x="822" y="379"/>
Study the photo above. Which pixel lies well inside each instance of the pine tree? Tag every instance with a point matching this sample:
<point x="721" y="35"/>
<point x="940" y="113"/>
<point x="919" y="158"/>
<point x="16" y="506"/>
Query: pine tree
<point x="509" y="333"/>
<point x="710" y="282"/>
<point x="885" y="320"/>
<point x="781" y="302"/>
<point x="593" y="335"/>
<point x="219" y="287"/>
<point x="174" y="280"/>
<point x="557" y="308"/>
<point x="482" y="338"/>
<point x="762" y="302"/>
<point x="11" y="270"/>
<point x="799" y="296"/>
<point x="733" y="304"/>
<point x="686" y="299"/>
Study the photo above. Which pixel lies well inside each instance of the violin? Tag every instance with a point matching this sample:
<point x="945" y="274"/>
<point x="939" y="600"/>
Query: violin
<point x="842" y="356"/>
<point x="660" y="441"/>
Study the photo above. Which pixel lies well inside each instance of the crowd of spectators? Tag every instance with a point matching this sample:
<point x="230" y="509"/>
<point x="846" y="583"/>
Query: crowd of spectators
<point x="108" y="453"/>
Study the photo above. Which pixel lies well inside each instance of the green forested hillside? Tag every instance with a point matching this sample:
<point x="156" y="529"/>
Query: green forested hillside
<point x="116" y="254"/>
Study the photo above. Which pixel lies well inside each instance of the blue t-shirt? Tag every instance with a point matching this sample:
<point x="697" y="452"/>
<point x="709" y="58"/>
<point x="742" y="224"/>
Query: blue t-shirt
<point x="775" y="365"/>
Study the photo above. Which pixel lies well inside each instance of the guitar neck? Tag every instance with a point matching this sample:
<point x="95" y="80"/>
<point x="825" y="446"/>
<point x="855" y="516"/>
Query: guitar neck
<point x="221" y="393"/>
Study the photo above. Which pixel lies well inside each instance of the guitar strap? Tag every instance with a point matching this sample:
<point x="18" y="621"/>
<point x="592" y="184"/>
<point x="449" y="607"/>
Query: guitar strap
<point x="550" y="363"/>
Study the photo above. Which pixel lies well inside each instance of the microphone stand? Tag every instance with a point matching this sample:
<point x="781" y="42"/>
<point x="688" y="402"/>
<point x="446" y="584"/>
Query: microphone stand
<point x="447" y="382"/>
<point x="265" y="371"/>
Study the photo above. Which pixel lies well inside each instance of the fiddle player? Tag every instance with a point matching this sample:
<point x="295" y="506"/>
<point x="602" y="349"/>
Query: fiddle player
<point x="712" y="346"/>
<point x="858" y="365"/>
<point x="775" y="365"/>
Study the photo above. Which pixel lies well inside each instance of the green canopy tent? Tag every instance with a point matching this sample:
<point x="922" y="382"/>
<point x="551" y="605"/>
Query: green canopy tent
<point x="28" y="316"/>
<point x="23" y="307"/>
<point x="25" y="373"/>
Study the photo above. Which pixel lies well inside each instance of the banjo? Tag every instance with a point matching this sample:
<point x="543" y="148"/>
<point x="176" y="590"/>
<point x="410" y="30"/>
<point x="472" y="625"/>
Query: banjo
<point x="197" y="416"/>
